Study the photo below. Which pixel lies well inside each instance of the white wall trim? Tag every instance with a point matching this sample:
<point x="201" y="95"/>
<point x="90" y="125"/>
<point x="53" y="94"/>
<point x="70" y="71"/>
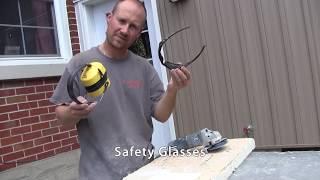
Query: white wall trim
<point x="30" y="67"/>
<point x="154" y="30"/>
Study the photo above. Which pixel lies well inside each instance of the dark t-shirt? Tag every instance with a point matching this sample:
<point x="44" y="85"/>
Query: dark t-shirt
<point x="120" y="121"/>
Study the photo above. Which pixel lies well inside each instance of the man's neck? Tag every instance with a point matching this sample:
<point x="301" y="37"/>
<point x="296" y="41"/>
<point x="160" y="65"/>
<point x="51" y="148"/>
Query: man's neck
<point x="112" y="52"/>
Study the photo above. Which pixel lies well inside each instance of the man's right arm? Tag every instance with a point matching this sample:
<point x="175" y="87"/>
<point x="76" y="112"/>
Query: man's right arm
<point x="71" y="114"/>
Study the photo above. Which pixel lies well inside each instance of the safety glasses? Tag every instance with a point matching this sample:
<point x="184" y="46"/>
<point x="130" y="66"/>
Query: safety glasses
<point x="171" y="65"/>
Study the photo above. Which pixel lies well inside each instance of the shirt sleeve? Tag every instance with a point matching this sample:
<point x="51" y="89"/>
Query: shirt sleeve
<point x="156" y="89"/>
<point x="60" y="94"/>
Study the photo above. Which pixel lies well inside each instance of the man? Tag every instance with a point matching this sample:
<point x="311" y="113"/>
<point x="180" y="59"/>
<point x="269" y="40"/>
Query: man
<point x="122" y="119"/>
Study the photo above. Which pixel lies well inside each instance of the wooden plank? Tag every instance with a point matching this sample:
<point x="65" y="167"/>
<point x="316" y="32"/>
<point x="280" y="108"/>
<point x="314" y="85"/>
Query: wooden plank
<point x="217" y="165"/>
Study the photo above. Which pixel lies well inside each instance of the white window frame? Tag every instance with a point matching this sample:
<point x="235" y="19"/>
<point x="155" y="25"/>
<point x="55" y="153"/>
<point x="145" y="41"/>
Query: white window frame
<point x="31" y="67"/>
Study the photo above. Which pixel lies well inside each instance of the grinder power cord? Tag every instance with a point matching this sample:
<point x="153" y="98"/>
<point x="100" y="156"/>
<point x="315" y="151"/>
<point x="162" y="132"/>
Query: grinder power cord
<point x="93" y="77"/>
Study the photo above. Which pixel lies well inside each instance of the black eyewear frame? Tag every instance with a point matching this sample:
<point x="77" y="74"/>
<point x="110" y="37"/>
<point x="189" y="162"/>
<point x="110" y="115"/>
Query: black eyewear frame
<point x="171" y="65"/>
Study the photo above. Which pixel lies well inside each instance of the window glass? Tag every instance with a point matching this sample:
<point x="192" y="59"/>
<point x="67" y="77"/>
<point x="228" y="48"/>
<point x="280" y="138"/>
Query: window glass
<point x="10" y="41"/>
<point x="28" y="28"/>
<point x="146" y="43"/>
<point x="36" y="12"/>
<point x="9" y="13"/>
<point x="39" y="41"/>
<point x="142" y="46"/>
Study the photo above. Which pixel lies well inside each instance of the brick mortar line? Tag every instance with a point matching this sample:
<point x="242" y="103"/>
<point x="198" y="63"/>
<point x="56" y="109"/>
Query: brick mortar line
<point x="21" y="110"/>
<point x="18" y="112"/>
<point x="19" y="121"/>
<point x="20" y="127"/>
<point x="62" y="147"/>
<point x="36" y="155"/>
<point x="10" y="129"/>
<point x="37" y="101"/>
<point x="25" y="86"/>
<point x="14" y="111"/>
<point x="26" y="157"/>
<point x="37" y="138"/>
<point x="51" y="134"/>
<point x="16" y="95"/>
<point x="52" y="139"/>
<point x="66" y="130"/>
<point x="45" y="84"/>
<point x="23" y="150"/>
<point x="15" y="143"/>
<point x="26" y="101"/>
<point x="35" y="146"/>
<point x="45" y="105"/>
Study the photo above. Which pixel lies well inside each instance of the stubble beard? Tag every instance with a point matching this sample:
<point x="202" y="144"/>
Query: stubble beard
<point x="118" y="43"/>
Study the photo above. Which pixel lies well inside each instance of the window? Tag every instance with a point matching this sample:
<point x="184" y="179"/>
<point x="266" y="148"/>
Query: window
<point x="34" y="38"/>
<point x="142" y="46"/>
<point x="27" y="27"/>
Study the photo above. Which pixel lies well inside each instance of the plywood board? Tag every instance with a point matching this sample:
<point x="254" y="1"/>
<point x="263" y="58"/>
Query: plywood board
<point x="217" y="165"/>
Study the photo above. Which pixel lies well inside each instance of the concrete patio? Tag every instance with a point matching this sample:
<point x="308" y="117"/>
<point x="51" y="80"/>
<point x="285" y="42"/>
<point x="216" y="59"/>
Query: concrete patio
<point x="60" y="167"/>
<point x="294" y="165"/>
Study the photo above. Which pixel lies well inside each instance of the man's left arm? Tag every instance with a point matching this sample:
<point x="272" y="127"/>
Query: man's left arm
<point x="180" y="78"/>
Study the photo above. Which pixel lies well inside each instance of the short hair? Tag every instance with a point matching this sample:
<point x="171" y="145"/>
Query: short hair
<point x="139" y="2"/>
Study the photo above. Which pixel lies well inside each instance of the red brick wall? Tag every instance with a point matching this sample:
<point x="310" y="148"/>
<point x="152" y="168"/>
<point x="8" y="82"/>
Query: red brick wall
<point x="29" y="130"/>
<point x="73" y="27"/>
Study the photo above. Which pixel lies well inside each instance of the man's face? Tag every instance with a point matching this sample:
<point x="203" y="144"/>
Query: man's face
<point x="125" y="25"/>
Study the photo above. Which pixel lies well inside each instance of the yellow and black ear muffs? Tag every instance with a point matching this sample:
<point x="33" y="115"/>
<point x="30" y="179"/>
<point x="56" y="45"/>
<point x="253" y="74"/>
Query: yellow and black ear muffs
<point x="93" y="77"/>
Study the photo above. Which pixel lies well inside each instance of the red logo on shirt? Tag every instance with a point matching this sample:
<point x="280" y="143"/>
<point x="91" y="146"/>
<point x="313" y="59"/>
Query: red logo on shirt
<point x="133" y="84"/>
